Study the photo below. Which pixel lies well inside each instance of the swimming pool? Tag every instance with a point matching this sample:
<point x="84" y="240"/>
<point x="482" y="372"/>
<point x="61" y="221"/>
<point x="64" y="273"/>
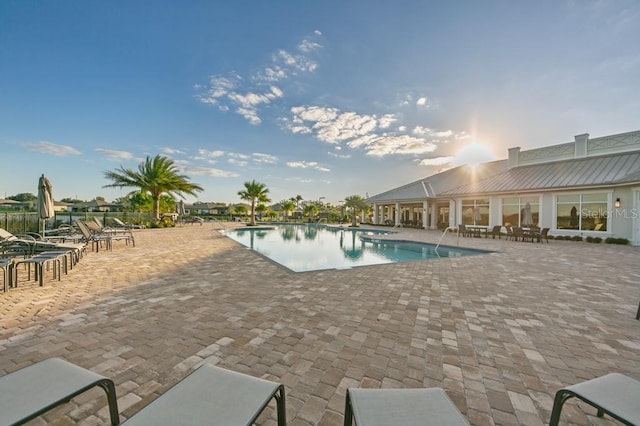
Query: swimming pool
<point x="303" y="248"/>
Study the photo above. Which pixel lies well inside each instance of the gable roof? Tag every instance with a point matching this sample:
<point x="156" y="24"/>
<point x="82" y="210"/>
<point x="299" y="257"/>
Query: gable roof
<point x="613" y="169"/>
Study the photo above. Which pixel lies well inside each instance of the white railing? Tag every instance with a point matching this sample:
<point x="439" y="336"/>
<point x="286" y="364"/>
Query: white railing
<point x="445" y="233"/>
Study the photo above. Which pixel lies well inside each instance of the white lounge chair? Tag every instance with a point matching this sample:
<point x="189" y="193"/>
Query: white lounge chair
<point x="406" y="407"/>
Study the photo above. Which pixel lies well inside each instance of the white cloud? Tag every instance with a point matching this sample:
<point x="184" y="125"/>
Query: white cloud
<point x="236" y="162"/>
<point x="421" y="101"/>
<point x="342" y="156"/>
<point x="307" y="165"/>
<point x="362" y="131"/>
<point x="438" y="161"/>
<point x="210" y="154"/>
<point x="112" y="155"/>
<point x="52" y="149"/>
<point x="171" y="151"/>
<point x="247" y="97"/>
<point x="264" y="158"/>
<point x="208" y="171"/>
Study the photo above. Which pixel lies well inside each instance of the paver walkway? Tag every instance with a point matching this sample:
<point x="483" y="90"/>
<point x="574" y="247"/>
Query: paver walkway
<point x="499" y="332"/>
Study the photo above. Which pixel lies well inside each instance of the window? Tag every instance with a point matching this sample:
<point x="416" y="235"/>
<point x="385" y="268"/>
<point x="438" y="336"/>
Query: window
<point x="520" y="211"/>
<point x="475" y="212"/>
<point x="582" y="212"/>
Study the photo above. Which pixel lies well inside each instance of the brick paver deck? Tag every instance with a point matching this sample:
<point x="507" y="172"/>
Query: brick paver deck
<point x="499" y="332"/>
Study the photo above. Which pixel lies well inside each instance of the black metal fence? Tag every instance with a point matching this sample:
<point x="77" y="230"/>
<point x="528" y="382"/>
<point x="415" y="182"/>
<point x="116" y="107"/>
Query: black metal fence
<point x="22" y="222"/>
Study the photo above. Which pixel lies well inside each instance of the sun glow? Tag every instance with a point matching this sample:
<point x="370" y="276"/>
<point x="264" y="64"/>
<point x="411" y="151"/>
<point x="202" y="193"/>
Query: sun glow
<point x="474" y="154"/>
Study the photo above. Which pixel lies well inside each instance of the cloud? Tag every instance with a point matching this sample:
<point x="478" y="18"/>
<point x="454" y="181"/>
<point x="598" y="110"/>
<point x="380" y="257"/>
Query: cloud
<point x="342" y="156"/>
<point x="264" y="158"/>
<point x="52" y="149"/>
<point x="208" y="171"/>
<point x="307" y="165"/>
<point x="363" y="131"/>
<point x="171" y="151"/>
<point x="209" y="154"/>
<point x="236" y="162"/>
<point x="113" y="155"/>
<point x="248" y="96"/>
<point x="438" y="161"/>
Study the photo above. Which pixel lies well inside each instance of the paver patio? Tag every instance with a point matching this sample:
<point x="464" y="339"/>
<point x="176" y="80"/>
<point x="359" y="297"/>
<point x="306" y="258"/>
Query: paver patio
<point x="499" y="332"/>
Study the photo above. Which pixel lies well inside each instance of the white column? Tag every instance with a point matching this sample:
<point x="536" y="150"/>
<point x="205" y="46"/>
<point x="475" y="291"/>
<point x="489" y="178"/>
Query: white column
<point x="434" y="216"/>
<point x="397" y="218"/>
<point x="452" y="213"/>
<point x="425" y="212"/>
<point x="375" y="214"/>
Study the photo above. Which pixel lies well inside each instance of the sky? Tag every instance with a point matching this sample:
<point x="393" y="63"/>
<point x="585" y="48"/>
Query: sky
<point x="322" y="99"/>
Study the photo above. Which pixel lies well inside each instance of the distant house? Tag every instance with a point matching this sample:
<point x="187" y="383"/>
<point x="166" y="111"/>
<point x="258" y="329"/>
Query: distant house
<point x="587" y="187"/>
<point x="215" y="209"/>
<point x="95" y="206"/>
<point x="59" y="206"/>
<point x="11" y="204"/>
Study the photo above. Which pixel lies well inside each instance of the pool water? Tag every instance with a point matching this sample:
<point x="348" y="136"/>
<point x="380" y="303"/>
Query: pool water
<point x="303" y="248"/>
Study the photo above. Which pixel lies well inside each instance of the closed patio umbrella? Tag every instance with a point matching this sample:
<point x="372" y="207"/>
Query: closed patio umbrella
<point x="476" y="215"/>
<point x="45" y="200"/>
<point x="527" y="218"/>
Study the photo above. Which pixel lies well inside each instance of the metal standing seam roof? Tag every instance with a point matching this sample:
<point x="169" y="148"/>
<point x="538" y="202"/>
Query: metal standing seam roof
<point x="615" y="169"/>
<point x="432" y="185"/>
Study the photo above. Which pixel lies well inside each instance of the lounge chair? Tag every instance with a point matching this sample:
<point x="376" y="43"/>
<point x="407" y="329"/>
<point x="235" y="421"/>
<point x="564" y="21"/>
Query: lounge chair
<point x="59" y="259"/>
<point x="121" y="224"/>
<point x="32" y="391"/>
<point x="6" y="266"/>
<point x="96" y="236"/>
<point x="30" y="245"/>
<point x="496" y="231"/>
<point x="614" y="394"/>
<point x="382" y="407"/>
<point x="213" y="395"/>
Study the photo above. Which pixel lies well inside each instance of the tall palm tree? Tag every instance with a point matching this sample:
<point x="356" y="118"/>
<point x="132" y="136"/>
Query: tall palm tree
<point x="356" y="203"/>
<point x="254" y="191"/>
<point x="155" y="176"/>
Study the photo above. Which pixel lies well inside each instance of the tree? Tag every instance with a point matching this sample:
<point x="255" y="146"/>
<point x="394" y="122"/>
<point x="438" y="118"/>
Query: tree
<point x="310" y="210"/>
<point x="23" y="197"/>
<point x="254" y="191"/>
<point x="261" y="209"/>
<point x="355" y="203"/>
<point x="155" y="176"/>
<point x="287" y="207"/>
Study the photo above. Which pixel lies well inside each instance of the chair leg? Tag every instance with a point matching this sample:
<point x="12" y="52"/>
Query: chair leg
<point x="110" y="390"/>
<point x="558" y="402"/>
<point x="348" y="411"/>
<point x="638" y="313"/>
<point x="282" y="410"/>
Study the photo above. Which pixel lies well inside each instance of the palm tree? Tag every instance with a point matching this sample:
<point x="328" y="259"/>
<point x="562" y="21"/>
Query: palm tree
<point x="261" y="209"/>
<point x="155" y="176"/>
<point x="311" y="210"/>
<point x="254" y="191"/>
<point x="356" y="203"/>
<point x="287" y="207"/>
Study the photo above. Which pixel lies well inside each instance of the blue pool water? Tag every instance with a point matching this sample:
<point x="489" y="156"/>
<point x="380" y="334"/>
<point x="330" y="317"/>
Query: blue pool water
<point x="302" y="248"/>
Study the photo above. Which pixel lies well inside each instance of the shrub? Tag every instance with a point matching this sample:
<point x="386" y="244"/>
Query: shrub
<point x="613" y="240"/>
<point x="576" y="238"/>
<point x="593" y="239"/>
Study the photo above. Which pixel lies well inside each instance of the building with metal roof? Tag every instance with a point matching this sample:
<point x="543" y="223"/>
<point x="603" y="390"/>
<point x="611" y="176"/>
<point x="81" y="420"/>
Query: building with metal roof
<point x="588" y="187"/>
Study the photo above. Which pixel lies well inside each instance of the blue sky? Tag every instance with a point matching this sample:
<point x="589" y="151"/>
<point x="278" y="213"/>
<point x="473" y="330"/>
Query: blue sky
<point x="319" y="99"/>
